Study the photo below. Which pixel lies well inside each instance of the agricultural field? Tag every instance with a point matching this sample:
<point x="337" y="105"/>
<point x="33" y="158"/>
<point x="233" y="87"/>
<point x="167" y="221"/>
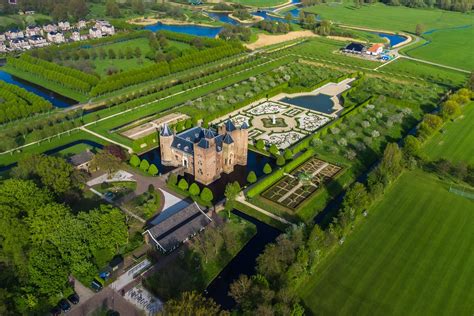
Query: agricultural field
<point x="455" y="141"/>
<point x="260" y="3"/>
<point x="452" y="47"/>
<point x="413" y="255"/>
<point x="391" y="18"/>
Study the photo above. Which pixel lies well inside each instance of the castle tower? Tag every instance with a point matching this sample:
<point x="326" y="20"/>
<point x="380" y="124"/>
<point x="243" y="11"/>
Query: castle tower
<point x="166" y="139"/>
<point x="205" y="167"/>
<point x="241" y="140"/>
<point x="228" y="154"/>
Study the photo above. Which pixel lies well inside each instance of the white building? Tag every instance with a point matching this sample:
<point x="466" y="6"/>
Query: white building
<point x="76" y="36"/>
<point x="50" y="28"/>
<point x="37" y="41"/>
<point x="375" y="49"/>
<point x="33" y="30"/>
<point x="56" y="37"/>
<point x="19" y="43"/>
<point x="12" y="34"/>
<point x="64" y="26"/>
<point x="81" y="24"/>
<point x="95" y="32"/>
<point x="108" y="29"/>
<point x="2" y="37"/>
<point x="3" y="47"/>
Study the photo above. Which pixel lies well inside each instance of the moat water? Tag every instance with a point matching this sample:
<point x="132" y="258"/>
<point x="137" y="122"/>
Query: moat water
<point x="56" y="100"/>
<point x="319" y="102"/>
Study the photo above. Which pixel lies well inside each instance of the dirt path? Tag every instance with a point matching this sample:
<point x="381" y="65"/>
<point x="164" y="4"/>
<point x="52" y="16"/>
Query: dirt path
<point x="265" y="39"/>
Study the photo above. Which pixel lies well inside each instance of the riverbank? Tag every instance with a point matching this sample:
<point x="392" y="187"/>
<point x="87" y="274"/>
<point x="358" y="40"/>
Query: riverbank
<point x="266" y="40"/>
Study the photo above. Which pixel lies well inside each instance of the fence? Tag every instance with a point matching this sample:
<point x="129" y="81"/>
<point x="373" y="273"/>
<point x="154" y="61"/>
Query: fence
<point x="465" y="192"/>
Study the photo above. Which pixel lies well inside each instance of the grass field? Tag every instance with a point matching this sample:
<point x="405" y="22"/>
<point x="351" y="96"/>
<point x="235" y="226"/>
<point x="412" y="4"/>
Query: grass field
<point x="260" y="3"/>
<point x="392" y="18"/>
<point x="456" y="141"/>
<point x="452" y="47"/>
<point x="413" y="256"/>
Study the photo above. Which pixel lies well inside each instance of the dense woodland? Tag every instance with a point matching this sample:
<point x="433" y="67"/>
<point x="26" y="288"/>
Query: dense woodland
<point x="45" y="238"/>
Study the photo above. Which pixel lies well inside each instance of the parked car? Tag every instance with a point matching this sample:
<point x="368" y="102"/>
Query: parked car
<point x="96" y="285"/>
<point x="55" y="311"/>
<point x="65" y="306"/>
<point x="73" y="298"/>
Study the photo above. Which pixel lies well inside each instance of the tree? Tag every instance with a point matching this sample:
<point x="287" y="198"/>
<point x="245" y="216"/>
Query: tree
<point x="78" y="9"/>
<point x="288" y="17"/>
<point x="411" y="146"/>
<point x="206" y="195"/>
<point x="356" y="198"/>
<point x="112" y="9"/>
<point x="252" y="177"/>
<point x="232" y="190"/>
<point x="106" y="162"/>
<point x="267" y="169"/>
<point x="172" y="179"/>
<point x="288" y="154"/>
<point x="419" y="29"/>
<point x="260" y="145"/>
<point x="392" y="161"/>
<point x="450" y="109"/>
<point x="134" y="161"/>
<point x="194" y="189"/>
<point x="59" y="12"/>
<point x="117" y="151"/>
<point x="280" y="160"/>
<point x="138" y="7"/>
<point x="153" y="170"/>
<point x="274" y="150"/>
<point x="144" y="165"/>
<point x="192" y="303"/>
<point x="183" y="184"/>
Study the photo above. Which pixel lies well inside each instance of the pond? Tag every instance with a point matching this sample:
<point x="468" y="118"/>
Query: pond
<point x="56" y="100"/>
<point x="394" y="39"/>
<point x="243" y="263"/>
<point x="60" y="148"/>
<point x="319" y="102"/>
<point x="197" y="30"/>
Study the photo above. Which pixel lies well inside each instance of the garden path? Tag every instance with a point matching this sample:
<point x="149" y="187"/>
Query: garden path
<point x="240" y="198"/>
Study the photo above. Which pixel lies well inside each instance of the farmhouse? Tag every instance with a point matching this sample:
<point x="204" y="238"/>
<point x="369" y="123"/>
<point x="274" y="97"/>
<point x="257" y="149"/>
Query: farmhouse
<point x="81" y="161"/>
<point x="33" y="30"/>
<point x="166" y="235"/>
<point x="75" y="36"/>
<point x="81" y="24"/>
<point x="50" y="28"/>
<point x="205" y="153"/>
<point x="12" y="34"/>
<point x="64" y="25"/>
<point x="354" y="48"/>
<point x="375" y="49"/>
<point x="19" y="43"/>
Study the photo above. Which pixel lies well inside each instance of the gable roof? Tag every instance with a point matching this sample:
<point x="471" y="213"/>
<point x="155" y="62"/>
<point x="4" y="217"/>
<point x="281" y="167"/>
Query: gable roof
<point x="172" y="231"/>
<point x="375" y="47"/>
<point x="81" y="158"/>
<point x="356" y="47"/>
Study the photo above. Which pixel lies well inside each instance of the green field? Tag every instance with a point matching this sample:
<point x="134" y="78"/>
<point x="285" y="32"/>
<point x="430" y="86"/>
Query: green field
<point x="260" y="3"/>
<point x="391" y="18"/>
<point x="450" y="47"/>
<point x="413" y="256"/>
<point x="456" y="142"/>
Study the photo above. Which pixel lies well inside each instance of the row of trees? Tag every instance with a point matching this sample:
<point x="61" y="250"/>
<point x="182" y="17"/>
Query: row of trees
<point x="453" y="5"/>
<point x="68" y="77"/>
<point x="274" y="26"/>
<point x="205" y="194"/>
<point x="18" y="103"/>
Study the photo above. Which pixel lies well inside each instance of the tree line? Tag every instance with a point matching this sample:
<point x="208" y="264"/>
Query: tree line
<point x="274" y="26"/>
<point x="16" y="103"/>
<point x="67" y="77"/>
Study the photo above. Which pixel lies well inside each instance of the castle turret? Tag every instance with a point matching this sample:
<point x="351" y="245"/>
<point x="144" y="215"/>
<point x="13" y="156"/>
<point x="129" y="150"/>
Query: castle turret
<point x="228" y="153"/>
<point x="241" y="140"/>
<point x="166" y="139"/>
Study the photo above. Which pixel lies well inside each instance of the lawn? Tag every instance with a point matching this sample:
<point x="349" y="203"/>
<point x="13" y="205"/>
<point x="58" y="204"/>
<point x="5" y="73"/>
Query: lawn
<point x="260" y="3"/>
<point x="456" y="140"/>
<point x="391" y="18"/>
<point x="451" y="47"/>
<point x="413" y="256"/>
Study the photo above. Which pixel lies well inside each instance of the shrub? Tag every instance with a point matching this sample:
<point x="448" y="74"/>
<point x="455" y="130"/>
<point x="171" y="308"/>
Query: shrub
<point x="134" y="161"/>
<point x="153" y="170"/>
<point x="274" y="150"/>
<point x="194" y="189"/>
<point x="144" y="165"/>
<point x="252" y="177"/>
<point x="281" y="160"/>
<point x="260" y="145"/>
<point x="206" y="195"/>
<point x="288" y="154"/>
<point x="267" y="169"/>
<point x="183" y="184"/>
<point x="172" y="179"/>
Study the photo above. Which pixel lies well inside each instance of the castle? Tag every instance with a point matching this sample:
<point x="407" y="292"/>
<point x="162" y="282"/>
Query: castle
<point x="205" y="153"/>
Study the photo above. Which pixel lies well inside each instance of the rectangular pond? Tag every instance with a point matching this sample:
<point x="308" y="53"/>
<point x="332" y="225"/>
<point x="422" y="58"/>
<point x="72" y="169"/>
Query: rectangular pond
<point x="319" y="102"/>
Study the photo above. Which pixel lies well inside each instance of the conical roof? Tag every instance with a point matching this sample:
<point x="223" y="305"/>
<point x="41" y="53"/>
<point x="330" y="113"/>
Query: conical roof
<point x="165" y="131"/>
